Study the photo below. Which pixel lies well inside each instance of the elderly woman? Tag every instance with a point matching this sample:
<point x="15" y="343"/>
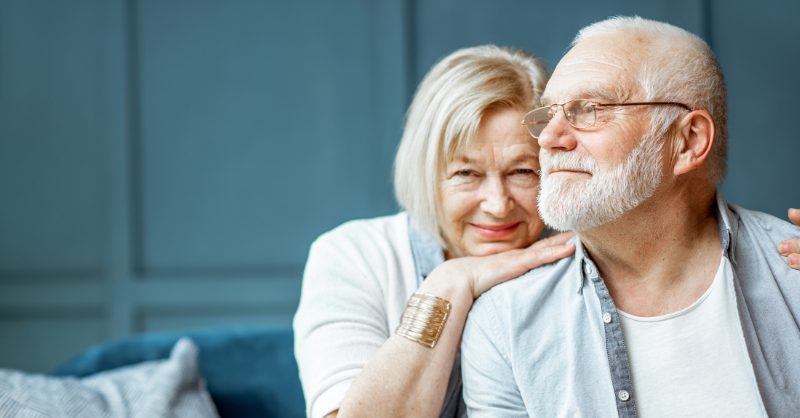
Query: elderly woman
<point x="381" y="312"/>
<point x="466" y="174"/>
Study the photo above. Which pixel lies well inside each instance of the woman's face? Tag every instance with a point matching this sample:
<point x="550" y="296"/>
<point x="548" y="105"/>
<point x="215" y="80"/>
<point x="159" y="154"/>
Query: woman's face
<point x="487" y="193"/>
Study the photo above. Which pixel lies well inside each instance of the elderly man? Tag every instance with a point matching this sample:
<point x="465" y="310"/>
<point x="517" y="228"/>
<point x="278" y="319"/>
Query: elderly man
<point x="676" y="302"/>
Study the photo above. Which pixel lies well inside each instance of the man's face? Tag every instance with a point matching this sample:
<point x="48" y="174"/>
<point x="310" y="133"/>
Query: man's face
<point x="592" y="176"/>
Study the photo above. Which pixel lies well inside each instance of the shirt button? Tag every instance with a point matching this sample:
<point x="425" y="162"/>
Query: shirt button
<point x="623" y="395"/>
<point x="606" y="317"/>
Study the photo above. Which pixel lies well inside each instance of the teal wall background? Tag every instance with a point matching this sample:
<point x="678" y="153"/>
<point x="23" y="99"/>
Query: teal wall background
<point x="165" y="164"/>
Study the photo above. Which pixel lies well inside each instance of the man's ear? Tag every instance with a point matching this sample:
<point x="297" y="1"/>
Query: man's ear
<point x="693" y="141"/>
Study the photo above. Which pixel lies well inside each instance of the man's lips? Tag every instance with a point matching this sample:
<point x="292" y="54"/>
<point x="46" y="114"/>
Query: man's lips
<point x="566" y="171"/>
<point x="496" y="231"/>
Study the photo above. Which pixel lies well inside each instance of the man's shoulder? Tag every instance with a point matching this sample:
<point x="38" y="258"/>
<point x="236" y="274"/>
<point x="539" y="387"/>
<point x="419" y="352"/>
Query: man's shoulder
<point x="755" y="244"/>
<point x="759" y="230"/>
<point x="764" y="222"/>
<point x="534" y="288"/>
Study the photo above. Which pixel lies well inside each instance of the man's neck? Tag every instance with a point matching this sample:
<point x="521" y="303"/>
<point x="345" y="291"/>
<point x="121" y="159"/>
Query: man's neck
<point x="661" y="256"/>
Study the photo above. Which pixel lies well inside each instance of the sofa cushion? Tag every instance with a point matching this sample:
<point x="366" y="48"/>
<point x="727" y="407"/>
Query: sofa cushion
<point x="249" y="372"/>
<point x="158" y="388"/>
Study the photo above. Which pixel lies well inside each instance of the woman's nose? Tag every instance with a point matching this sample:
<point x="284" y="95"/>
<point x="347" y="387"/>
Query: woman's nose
<point x="496" y="199"/>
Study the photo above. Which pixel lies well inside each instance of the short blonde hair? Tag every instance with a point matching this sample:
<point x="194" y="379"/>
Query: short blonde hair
<point x="446" y="112"/>
<point x="679" y="67"/>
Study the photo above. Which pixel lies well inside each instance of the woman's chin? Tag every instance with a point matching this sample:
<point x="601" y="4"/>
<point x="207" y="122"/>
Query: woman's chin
<point x="491" y="248"/>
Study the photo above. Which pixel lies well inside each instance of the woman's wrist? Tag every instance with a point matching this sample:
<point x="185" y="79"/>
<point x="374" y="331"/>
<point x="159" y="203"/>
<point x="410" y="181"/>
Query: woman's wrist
<point x="450" y="284"/>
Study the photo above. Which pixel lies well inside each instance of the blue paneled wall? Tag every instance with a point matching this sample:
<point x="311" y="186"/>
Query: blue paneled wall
<point x="165" y="164"/>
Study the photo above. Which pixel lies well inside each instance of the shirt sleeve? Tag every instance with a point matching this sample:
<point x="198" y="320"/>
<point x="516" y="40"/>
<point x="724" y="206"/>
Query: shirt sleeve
<point x="340" y="322"/>
<point x="490" y="389"/>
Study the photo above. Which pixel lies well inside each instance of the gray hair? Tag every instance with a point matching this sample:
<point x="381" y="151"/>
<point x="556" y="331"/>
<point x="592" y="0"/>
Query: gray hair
<point x="679" y="67"/>
<point x="445" y="114"/>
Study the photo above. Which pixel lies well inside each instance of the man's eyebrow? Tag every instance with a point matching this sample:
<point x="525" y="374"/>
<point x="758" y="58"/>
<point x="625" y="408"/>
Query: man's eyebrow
<point x="606" y="94"/>
<point x="599" y="94"/>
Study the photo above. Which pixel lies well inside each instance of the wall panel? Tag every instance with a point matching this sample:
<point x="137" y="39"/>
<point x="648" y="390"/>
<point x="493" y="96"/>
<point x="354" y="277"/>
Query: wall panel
<point x="758" y="49"/>
<point x="256" y="136"/>
<point x="166" y="319"/>
<point x="52" y="125"/>
<point x="544" y="28"/>
<point x="38" y="341"/>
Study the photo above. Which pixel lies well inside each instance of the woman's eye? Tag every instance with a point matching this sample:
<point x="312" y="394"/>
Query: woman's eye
<point x="465" y="173"/>
<point x="525" y="172"/>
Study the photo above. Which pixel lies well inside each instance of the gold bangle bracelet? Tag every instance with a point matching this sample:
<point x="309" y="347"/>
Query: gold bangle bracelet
<point x="424" y="319"/>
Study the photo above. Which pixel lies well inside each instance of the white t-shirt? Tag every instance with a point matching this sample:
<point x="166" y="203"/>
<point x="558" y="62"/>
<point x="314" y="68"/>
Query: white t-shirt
<point x="694" y="362"/>
<point x="355" y="286"/>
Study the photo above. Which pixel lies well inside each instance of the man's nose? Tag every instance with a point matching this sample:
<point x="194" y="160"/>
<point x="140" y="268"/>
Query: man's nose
<point x="558" y="133"/>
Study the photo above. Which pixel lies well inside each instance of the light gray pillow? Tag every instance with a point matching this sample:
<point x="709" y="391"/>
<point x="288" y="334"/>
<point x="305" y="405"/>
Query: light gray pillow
<point x="164" y="388"/>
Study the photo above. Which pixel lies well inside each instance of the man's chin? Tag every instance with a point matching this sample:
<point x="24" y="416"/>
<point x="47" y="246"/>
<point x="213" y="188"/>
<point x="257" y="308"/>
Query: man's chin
<point x="565" y="216"/>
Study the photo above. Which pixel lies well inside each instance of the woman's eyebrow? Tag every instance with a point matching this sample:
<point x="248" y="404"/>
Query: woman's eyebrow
<point x="525" y="157"/>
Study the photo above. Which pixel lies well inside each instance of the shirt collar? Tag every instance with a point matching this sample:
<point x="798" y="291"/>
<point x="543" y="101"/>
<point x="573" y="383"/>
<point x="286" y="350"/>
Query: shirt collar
<point x="727" y="231"/>
<point x="728" y="224"/>
<point x="425" y="250"/>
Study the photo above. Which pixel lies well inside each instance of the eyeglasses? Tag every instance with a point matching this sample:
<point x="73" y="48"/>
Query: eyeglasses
<point x="580" y="113"/>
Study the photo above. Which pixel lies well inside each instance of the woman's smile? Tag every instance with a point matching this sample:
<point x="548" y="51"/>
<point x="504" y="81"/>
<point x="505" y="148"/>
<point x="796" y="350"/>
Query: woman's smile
<point x="496" y="231"/>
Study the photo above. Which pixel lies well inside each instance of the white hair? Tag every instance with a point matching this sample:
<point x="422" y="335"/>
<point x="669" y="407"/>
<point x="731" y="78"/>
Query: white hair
<point x="679" y="67"/>
<point x="444" y="116"/>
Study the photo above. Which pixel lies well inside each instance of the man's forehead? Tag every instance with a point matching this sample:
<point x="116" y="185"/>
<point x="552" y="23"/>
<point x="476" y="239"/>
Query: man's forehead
<point x="599" y="91"/>
<point x="594" y="69"/>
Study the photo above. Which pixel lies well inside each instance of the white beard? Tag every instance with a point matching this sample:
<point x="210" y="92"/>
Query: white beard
<point x="580" y="204"/>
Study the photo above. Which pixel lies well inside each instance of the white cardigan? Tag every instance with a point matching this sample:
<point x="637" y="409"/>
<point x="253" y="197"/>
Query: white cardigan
<point x="356" y="283"/>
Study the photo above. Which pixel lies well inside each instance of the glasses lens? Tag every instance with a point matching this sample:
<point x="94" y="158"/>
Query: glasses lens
<point x="580" y="113"/>
<point x="537" y="119"/>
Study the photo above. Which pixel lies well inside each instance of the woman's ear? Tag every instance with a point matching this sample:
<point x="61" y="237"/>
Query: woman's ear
<point x="693" y="141"/>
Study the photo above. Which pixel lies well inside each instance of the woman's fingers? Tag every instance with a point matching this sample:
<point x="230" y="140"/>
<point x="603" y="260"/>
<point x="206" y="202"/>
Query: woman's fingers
<point x="552" y="253"/>
<point x="794" y="216"/>
<point x="495" y="269"/>
<point x="791" y="247"/>
<point x="554" y="240"/>
<point x="791" y="250"/>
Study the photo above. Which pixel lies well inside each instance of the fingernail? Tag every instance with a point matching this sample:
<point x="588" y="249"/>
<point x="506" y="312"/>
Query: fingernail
<point x="794" y="260"/>
<point x="784" y="248"/>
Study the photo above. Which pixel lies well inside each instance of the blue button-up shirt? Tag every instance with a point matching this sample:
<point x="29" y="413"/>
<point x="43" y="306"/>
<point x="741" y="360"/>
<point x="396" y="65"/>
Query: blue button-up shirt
<point x="550" y="343"/>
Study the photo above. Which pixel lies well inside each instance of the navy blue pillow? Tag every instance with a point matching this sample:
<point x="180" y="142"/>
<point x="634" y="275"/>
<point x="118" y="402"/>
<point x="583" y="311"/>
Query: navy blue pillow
<point x="250" y="372"/>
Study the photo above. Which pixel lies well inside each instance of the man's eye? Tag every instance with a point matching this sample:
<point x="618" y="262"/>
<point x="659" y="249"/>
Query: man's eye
<point x="586" y="108"/>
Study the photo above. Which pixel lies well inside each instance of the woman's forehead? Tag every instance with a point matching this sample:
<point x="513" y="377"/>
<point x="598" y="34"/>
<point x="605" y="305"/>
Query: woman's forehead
<point x="508" y="149"/>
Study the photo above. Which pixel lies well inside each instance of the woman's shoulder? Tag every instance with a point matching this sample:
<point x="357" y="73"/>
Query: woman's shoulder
<point x="367" y="233"/>
<point x="363" y="250"/>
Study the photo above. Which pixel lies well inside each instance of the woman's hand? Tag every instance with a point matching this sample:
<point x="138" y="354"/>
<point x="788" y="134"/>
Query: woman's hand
<point x="482" y="273"/>
<point x="791" y="247"/>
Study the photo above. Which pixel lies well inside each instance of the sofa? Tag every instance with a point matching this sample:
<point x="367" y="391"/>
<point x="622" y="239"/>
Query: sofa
<point x="249" y="372"/>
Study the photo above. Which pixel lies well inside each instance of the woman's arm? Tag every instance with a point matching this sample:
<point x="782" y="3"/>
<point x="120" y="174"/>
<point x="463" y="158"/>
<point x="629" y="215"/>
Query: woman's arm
<point x="791" y="247"/>
<point x="405" y="378"/>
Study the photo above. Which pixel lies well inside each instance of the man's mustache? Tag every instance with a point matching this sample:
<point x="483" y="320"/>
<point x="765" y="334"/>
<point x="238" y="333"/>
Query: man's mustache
<point x="566" y="161"/>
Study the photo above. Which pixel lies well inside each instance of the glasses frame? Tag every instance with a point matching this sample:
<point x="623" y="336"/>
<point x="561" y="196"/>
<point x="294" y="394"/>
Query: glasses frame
<point x="595" y="105"/>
